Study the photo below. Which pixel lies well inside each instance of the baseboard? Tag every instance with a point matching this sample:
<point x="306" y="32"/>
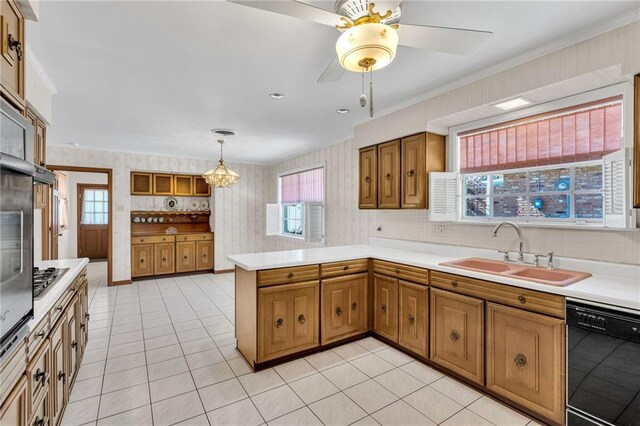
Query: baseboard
<point x="123" y="282"/>
<point x="224" y="271"/>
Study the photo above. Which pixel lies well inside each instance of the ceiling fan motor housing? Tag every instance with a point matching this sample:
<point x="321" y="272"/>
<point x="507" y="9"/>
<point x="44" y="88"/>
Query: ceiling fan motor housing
<point x="356" y="9"/>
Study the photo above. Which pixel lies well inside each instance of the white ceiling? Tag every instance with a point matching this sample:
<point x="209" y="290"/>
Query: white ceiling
<point x="156" y="76"/>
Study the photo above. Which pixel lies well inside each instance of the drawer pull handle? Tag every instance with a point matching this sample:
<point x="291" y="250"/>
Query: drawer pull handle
<point x="40" y="335"/>
<point x="74" y="345"/>
<point x="354" y="306"/>
<point x="279" y="323"/>
<point x="522" y="299"/>
<point x="290" y="274"/>
<point x="82" y="325"/>
<point x="59" y="308"/>
<point x="87" y="316"/>
<point x="346" y="267"/>
<point x="40" y="376"/>
<point x="410" y="173"/>
<point x="397" y="271"/>
<point x="38" y="421"/>
<point x="15" y="45"/>
<point x="412" y="319"/>
<point x="142" y="240"/>
<point x="454" y="284"/>
<point x="388" y="176"/>
<point x="454" y="335"/>
<point x="301" y="319"/>
<point x="61" y="376"/>
<point x="338" y="311"/>
<point x="367" y="179"/>
<point x="520" y="360"/>
<point x="383" y="307"/>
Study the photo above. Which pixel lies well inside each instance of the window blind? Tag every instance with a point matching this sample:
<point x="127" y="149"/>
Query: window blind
<point x="587" y="132"/>
<point x="302" y="187"/>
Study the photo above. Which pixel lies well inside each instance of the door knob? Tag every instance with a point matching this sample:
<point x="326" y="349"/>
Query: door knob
<point x="367" y="179"/>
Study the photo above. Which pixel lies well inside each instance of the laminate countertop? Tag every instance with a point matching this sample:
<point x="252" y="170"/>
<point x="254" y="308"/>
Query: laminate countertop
<point x="612" y="284"/>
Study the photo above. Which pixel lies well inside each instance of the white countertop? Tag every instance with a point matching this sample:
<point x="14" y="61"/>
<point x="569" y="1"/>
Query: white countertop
<point x="44" y="305"/>
<point x="611" y="284"/>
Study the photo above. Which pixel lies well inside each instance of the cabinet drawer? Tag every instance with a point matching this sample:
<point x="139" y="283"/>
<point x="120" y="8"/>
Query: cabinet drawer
<point x="403" y="272"/>
<point x="530" y="300"/>
<point x="58" y="308"/>
<point x="152" y="239"/>
<point x="37" y="337"/>
<point x="195" y="237"/>
<point x="38" y="373"/>
<point x="287" y="275"/>
<point x="346" y="267"/>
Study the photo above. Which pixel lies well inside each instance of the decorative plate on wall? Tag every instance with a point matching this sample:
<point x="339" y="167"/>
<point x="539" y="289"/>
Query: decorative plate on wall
<point x="171" y="203"/>
<point x="204" y="205"/>
<point x="193" y="206"/>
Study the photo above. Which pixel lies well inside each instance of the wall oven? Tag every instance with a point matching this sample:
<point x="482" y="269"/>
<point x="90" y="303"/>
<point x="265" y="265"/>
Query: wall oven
<point x="603" y="366"/>
<point x="16" y="226"/>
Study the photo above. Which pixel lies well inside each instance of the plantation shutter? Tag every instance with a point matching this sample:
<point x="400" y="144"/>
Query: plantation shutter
<point x="314" y="222"/>
<point x="615" y="203"/>
<point x="273" y="219"/>
<point x="443" y="196"/>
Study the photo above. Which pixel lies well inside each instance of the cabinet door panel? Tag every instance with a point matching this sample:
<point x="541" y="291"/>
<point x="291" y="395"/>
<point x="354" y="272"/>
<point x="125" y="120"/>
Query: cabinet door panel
<point x="141" y="260"/>
<point x="141" y="183"/>
<point x="185" y="256"/>
<point x="72" y="341"/>
<point x="287" y="319"/>
<point x="368" y="178"/>
<point x="385" y="316"/>
<point x="13" y="410"/>
<point x="12" y="76"/>
<point x="414" y="172"/>
<point x="389" y="175"/>
<point x="204" y="255"/>
<point x="457" y="324"/>
<point x="413" y="317"/>
<point x="344" y="310"/>
<point x="164" y="258"/>
<point x="525" y="353"/>
<point x="57" y="391"/>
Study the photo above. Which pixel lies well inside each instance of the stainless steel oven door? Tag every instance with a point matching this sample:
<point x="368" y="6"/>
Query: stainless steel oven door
<point x="16" y="244"/>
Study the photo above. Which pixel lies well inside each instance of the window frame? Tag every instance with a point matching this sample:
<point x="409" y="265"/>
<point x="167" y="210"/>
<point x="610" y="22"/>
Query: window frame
<point x="624" y="89"/>
<point x="282" y="234"/>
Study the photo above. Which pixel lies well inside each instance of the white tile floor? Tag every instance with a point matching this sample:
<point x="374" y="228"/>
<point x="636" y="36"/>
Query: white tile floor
<point x="162" y="352"/>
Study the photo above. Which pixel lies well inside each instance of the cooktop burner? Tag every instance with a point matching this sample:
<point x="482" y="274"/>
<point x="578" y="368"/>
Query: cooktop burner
<point x="43" y="280"/>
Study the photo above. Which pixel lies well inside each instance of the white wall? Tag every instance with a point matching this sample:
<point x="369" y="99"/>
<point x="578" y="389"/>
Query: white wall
<point x="68" y="242"/>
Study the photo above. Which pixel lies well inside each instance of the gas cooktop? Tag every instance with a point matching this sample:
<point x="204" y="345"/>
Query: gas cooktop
<point x="44" y="279"/>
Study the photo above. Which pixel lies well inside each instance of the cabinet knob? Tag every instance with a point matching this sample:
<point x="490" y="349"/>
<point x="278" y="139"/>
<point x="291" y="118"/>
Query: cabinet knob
<point x="397" y="271"/>
<point x="74" y="345"/>
<point x="454" y="284"/>
<point x="82" y="325"/>
<point x="520" y="360"/>
<point x="38" y="421"/>
<point x="87" y="316"/>
<point x="354" y="306"/>
<point x="185" y="257"/>
<point x="367" y="179"/>
<point x="388" y="176"/>
<point x="411" y="172"/>
<point x="40" y="376"/>
<point x="346" y="267"/>
<point x="279" y="323"/>
<point x="454" y="335"/>
<point x="164" y="259"/>
<point x="383" y="307"/>
<point x="15" y="45"/>
<point x="412" y="319"/>
<point x="290" y="274"/>
<point x="522" y="299"/>
<point x="301" y="319"/>
<point x="141" y="260"/>
<point x="338" y="311"/>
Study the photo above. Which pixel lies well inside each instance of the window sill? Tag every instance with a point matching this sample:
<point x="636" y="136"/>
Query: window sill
<point x="554" y="225"/>
<point x="300" y="240"/>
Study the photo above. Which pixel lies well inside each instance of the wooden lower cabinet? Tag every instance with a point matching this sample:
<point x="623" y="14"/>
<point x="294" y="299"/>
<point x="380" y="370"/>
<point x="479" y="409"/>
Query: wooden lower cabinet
<point x="13" y="410"/>
<point x="525" y="359"/>
<point x="164" y="255"/>
<point x="141" y="260"/>
<point x="457" y="333"/>
<point x="71" y="337"/>
<point x="58" y="389"/>
<point x="385" y="305"/>
<point x="344" y="307"/>
<point x="185" y="256"/>
<point x="39" y="415"/>
<point x="204" y="255"/>
<point x="413" y="318"/>
<point x="38" y="375"/>
<point x="288" y="319"/>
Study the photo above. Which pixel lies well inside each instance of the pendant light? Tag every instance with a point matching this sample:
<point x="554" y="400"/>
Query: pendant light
<point x="221" y="176"/>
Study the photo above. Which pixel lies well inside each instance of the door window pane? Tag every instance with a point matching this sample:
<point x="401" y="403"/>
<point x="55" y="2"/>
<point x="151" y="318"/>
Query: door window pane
<point x="95" y="207"/>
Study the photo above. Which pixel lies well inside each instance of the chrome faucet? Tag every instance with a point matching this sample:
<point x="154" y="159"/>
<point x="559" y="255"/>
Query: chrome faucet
<point x="517" y="228"/>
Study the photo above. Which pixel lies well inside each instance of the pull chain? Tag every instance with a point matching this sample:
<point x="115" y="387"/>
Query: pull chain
<point x="370" y="92"/>
<point x="363" y="97"/>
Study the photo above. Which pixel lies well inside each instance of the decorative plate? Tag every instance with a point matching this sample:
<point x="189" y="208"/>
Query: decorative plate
<point x="171" y="230"/>
<point x="204" y="205"/>
<point x="193" y="206"/>
<point x="171" y="203"/>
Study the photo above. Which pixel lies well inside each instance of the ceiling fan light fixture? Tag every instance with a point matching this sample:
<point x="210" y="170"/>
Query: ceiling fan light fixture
<point x="374" y="44"/>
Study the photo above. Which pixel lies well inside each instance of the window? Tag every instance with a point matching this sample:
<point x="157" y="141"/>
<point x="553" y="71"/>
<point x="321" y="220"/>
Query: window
<point x="300" y="211"/>
<point x="562" y="163"/>
<point x="95" y="207"/>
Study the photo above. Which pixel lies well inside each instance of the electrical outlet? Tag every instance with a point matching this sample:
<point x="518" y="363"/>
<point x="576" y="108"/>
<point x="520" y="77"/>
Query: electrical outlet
<point x="119" y="207"/>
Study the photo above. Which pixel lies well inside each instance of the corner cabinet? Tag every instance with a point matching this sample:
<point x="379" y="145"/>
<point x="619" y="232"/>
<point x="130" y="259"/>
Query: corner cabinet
<point x="395" y="174"/>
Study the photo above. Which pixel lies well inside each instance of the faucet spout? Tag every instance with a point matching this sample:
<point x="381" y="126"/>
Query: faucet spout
<point x="517" y="228"/>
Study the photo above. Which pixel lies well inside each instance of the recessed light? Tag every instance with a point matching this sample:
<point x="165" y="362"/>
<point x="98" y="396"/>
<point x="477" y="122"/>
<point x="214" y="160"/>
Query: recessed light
<point x="74" y="144"/>
<point x="513" y="103"/>
<point x="342" y="111"/>
<point x="277" y="96"/>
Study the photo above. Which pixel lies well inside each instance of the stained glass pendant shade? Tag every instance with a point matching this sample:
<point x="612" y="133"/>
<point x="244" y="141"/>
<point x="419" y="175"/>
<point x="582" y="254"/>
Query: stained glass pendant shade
<point x="221" y="176"/>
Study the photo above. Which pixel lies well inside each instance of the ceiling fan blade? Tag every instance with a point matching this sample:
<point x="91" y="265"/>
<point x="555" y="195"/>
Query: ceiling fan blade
<point x="333" y="72"/>
<point x="294" y="8"/>
<point x="450" y="40"/>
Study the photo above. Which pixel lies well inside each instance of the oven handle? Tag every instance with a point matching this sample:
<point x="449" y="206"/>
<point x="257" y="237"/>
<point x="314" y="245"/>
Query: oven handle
<point x="9" y="162"/>
<point x="21" y="241"/>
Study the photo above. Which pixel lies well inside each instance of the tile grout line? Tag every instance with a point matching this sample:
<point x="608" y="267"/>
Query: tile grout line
<point x="144" y="345"/>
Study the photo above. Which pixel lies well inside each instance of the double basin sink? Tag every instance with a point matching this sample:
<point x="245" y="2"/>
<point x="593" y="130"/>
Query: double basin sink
<point x="555" y="277"/>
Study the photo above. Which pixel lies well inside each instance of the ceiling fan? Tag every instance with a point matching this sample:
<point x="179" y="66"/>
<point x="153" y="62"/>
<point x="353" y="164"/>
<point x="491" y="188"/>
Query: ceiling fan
<point x="371" y="32"/>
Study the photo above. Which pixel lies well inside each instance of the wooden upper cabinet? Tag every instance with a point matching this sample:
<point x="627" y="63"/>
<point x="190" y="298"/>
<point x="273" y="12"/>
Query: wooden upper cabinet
<point x="200" y="187"/>
<point x="162" y="184"/>
<point x="344" y="307"/>
<point x="12" y="50"/>
<point x="525" y="359"/>
<point x="368" y="168"/>
<point x="182" y="185"/>
<point x="413" y="318"/>
<point x="385" y="306"/>
<point x="636" y="143"/>
<point x="141" y="183"/>
<point x="421" y="154"/>
<point x="457" y="333"/>
<point x="389" y="175"/>
<point x="40" y="149"/>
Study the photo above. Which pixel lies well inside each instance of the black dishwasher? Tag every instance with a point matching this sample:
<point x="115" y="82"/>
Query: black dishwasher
<point x="603" y="366"/>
